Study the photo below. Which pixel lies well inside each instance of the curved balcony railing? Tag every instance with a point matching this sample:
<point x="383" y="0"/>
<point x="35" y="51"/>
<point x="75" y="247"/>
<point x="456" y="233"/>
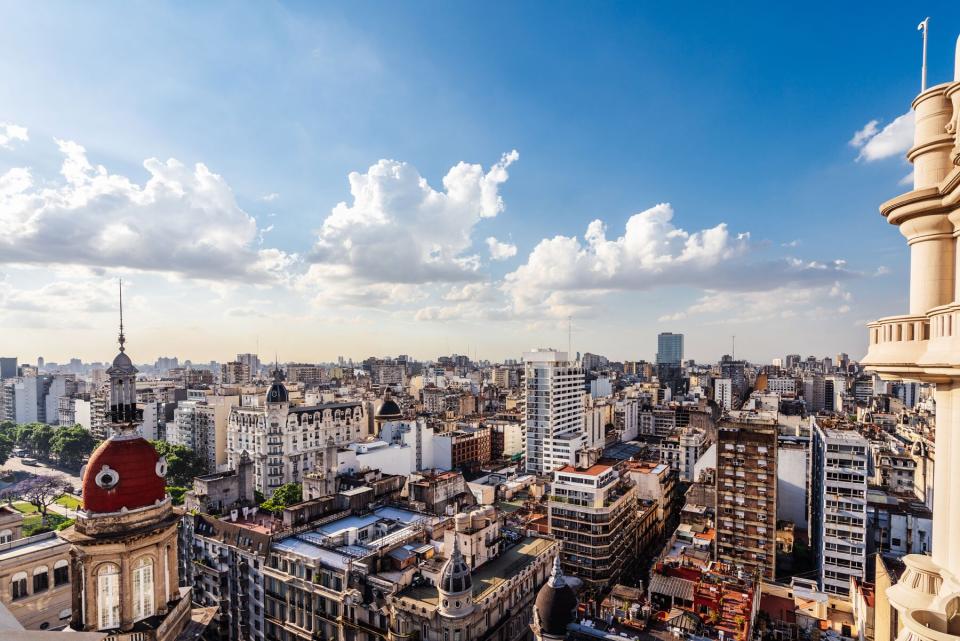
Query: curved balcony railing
<point x="897" y="343"/>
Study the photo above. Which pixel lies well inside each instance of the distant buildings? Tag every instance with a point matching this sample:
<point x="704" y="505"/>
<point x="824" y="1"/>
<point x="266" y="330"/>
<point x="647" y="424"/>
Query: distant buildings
<point x="284" y="440"/>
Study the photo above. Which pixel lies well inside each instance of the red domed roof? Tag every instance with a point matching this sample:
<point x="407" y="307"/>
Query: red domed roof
<point x="124" y="472"/>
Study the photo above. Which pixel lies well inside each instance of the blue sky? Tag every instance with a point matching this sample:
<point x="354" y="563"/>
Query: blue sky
<point x="741" y="118"/>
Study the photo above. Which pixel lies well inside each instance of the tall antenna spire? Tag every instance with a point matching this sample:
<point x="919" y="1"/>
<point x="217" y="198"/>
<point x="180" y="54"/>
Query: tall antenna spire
<point x="924" y="26"/>
<point x="121" y="338"/>
<point x="570" y="338"/>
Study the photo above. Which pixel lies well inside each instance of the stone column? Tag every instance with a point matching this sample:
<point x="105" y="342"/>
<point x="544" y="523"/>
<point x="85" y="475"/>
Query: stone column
<point x="947" y="486"/>
<point x="932" y="249"/>
<point x="946" y="410"/>
<point x="932" y="143"/>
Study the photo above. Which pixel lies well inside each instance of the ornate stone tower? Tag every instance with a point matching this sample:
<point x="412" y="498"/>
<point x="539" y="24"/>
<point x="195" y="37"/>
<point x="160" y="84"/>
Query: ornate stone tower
<point x="124" y="552"/>
<point x="456" y="586"/>
<point x="924" y="345"/>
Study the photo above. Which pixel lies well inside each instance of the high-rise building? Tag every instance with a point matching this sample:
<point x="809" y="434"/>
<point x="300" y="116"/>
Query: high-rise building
<point x="746" y="486"/>
<point x="723" y="393"/>
<point x="8" y="367"/>
<point x="670" y="361"/>
<point x="235" y="373"/>
<point x="252" y="361"/>
<point x="838" y="506"/>
<point x="669" y="348"/>
<point x="593" y="511"/>
<point x="922" y="343"/>
<point x="553" y="393"/>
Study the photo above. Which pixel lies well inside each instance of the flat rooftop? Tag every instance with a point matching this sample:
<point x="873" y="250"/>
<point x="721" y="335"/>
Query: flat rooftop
<point x="593" y="470"/>
<point x="491" y="574"/>
<point x="30" y="544"/>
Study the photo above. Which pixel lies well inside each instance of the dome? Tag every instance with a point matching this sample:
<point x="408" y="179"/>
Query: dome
<point x="278" y="393"/>
<point x="388" y="410"/>
<point x="124" y="472"/>
<point x="556" y="603"/>
<point x="455" y="575"/>
<point x="122" y="364"/>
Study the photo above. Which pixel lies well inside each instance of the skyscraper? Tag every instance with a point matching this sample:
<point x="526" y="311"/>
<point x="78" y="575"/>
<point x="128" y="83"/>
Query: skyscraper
<point x="669" y="359"/>
<point x="669" y="348"/>
<point x="8" y="367"/>
<point x="553" y="392"/>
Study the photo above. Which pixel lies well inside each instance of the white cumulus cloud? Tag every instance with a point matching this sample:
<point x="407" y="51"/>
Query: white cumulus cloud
<point x="893" y="140"/>
<point x="399" y="229"/>
<point x="10" y="132"/>
<point x="652" y="251"/>
<point x="182" y="220"/>
<point x="500" y="250"/>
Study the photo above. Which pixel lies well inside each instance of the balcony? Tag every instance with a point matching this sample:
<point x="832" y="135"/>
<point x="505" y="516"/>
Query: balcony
<point x="917" y="347"/>
<point x="897" y="343"/>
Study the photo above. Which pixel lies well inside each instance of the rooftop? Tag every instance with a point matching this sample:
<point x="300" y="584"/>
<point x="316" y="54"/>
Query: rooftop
<point x="30" y="544"/>
<point x="491" y="574"/>
<point x="594" y="470"/>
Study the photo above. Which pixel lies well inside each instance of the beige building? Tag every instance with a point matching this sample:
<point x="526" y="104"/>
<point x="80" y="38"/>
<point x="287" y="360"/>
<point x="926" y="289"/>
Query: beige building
<point x="35" y="580"/>
<point x="923" y="344"/>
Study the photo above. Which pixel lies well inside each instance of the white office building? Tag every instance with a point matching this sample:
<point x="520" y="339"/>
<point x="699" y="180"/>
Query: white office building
<point x="553" y="394"/>
<point x="723" y="393"/>
<point x="838" y="513"/>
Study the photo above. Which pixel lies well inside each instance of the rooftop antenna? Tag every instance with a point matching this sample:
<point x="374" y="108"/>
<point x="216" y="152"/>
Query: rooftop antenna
<point x="570" y="337"/>
<point x="924" y="27"/>
<point x="733" y="347"/>
<point x="122" y="339"/>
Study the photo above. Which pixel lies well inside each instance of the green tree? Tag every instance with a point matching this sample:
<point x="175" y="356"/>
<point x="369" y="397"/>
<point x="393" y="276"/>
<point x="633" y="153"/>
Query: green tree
<point x="283" y="496"/>
<point x="176" y="493"/>
<point x="72" y="444"/>
<point x="182" y="463"/>
<point x="40" y="436"/>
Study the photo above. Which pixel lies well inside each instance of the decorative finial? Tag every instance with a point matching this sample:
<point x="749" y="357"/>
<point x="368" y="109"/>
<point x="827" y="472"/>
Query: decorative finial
<point x="556" y="575"/>
<point x="924" y="27"/>
<point x="121" y="339"/>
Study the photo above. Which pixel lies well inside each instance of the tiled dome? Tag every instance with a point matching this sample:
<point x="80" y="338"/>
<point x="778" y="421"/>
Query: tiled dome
<point x="124" y="472"/>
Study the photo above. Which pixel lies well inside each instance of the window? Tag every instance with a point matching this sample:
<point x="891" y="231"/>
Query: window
<point x="18" y="587"/>
<point x="108" y="597"/>
<point x="6" y="536"/>
<point x="143" y="589"/>
<point x="61" y="573"/>
<point x="41" y="579"/>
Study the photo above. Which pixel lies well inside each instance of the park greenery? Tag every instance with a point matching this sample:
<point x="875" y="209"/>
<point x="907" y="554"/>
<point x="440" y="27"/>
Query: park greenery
<point x="68" y="445"/>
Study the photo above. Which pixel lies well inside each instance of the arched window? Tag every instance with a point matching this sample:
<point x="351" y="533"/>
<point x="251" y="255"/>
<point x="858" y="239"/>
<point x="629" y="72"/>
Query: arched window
<point x="108" y="597"/>
<point x="18" y="585"/>
<point x="6" y="536"/>
<point x="41" y="579"/>
<point x="143" y="589"/>
<point x="61" y="572"/>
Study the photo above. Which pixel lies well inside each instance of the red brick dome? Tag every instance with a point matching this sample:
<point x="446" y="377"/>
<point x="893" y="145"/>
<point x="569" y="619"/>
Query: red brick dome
<point x="124" y="472"/>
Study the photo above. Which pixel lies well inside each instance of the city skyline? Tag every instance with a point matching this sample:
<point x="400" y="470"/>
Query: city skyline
<point x="453" y="219"/>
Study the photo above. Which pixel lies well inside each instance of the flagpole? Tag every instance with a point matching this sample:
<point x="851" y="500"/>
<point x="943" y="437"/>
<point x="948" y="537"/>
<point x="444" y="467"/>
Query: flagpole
<point x="923" y="26"/>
